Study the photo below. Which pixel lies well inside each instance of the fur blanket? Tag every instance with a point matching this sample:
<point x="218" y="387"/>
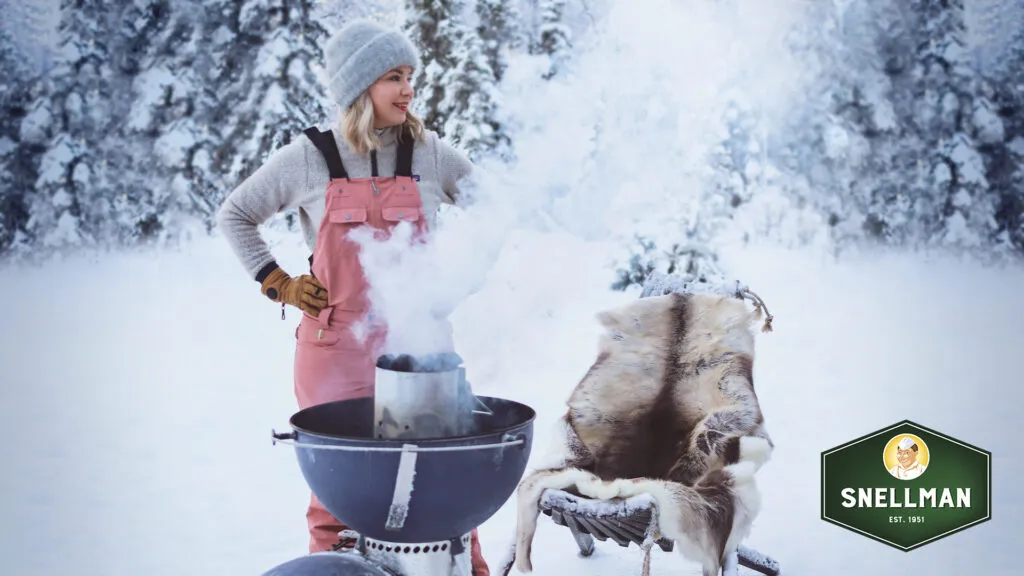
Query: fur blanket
<point x="667" y="409"/>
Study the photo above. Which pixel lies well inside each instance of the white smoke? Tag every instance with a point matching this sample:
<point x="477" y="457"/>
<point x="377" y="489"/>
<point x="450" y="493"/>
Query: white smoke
<point x="415" y="285"/>
<point x="613" y="146"/>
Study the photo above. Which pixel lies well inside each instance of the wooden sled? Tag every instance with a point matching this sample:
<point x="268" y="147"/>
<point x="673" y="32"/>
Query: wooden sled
<point x="631" y="520"/>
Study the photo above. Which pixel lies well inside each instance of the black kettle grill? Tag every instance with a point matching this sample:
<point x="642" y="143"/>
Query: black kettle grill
<point x="412" y="502"/>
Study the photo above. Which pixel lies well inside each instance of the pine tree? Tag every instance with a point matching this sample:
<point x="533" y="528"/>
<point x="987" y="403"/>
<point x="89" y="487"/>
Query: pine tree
<point x="149" y="36"/>
<point x="737" y="161"/>
<point x="920" y="135"/>
<point x="833" y="148"/>
<point x="1005" y="71"/>
<point x="471" y="102"/>
<point x="553" y="37"/>
<point x="499" y="32"/>
<point x="26" y="25"/>
<point x="17" y="166"/>
<point x="433" y="27"/>
<point x="155" y="110"/>
<point x="954" y="206"/>
<point x="94" y="184"/>
<point x="457" y="96"/>
<point x="102" y="174"/>
<point x="865" y="141"/>
<point x="257" y="62"/>
<point x="69" y="202"/>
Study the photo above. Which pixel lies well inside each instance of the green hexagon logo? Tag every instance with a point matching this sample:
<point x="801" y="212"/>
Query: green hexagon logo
<point x="906" y="485"/>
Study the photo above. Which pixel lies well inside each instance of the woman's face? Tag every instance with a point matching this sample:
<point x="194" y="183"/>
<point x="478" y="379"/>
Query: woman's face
<point x="391" y="95"/>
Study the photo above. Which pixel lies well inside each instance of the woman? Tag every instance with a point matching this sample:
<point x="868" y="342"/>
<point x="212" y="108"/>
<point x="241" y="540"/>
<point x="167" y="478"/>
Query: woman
<point x="381" y="167"/>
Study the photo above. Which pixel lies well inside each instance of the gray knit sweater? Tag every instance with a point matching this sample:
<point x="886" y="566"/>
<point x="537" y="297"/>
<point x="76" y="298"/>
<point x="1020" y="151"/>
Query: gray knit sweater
<point x="296" y="176"/>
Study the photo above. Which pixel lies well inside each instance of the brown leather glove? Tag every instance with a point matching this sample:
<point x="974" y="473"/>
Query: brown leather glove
<point x="304" y="292"/>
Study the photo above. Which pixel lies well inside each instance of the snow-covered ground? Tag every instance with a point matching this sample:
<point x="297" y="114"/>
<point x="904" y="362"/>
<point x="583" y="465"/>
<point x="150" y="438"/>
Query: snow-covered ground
<point x="139" y="391"/>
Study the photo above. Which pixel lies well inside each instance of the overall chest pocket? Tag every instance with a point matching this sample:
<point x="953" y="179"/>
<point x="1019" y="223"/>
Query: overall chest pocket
<point x="354" y="215"/>
<point x="401" y="213"/>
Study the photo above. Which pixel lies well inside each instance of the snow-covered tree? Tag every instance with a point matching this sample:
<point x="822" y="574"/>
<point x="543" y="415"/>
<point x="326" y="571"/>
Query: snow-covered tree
<point x="28" y="26"/>
<point x="69" y="201"/>
<point x="16" y="162"/>
<point x="897" y="137"/>
<point x="433" y="26"/>
<point x="241" y="84"/>
<point x="156" y="109"/>
<point x="456" y="87"/>
<point x="149" y="36"/>
<point x="500" y="32"/>
<point x="260" y="92"/>
<point x="148" y="112"/>
<point x="554" y="37"/>
<point x="95" y="180"/>
<point x="690" y="259"/>
<point x="999" y="39"/>
<point x="949" y="184"/>
<point x="994" y="33"/>
<point x="737" y="161"/>
<point x="472" y="103"/>
<point x="836" y="148"/>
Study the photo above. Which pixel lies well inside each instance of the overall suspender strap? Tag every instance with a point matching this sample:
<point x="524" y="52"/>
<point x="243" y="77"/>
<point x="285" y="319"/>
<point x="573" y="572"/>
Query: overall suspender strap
<point x="324" y="141"/>
<point x="403" y="166"/>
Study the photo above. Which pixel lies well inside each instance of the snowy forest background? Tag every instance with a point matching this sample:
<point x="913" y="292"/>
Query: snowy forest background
<point x="840" y="123"/>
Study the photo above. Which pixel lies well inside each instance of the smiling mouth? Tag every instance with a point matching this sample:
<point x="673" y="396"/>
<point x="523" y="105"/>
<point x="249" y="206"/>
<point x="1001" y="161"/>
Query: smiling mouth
<point x="402" y="107"/>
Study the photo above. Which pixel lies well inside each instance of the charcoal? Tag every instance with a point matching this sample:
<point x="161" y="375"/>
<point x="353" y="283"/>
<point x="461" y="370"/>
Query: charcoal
<point x="441" y="362"/>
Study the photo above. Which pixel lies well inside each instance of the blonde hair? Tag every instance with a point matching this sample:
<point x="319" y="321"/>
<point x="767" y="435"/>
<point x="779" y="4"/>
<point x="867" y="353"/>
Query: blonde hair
<point x="357" y="126"/>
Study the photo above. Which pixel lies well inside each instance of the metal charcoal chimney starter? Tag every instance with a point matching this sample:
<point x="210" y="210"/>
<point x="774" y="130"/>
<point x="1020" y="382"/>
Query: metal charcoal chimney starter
<point x="422" y="397"/>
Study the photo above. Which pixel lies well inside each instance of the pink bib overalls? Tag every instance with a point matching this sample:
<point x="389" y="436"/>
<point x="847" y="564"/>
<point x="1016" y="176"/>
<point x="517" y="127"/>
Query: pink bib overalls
<point x="331" y="363"/>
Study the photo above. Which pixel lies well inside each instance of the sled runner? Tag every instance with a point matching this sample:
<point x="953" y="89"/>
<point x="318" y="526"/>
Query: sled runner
<point x="630" y="521"/>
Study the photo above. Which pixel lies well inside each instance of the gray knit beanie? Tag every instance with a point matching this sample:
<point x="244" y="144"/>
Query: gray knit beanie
<point x="362" y="52"/>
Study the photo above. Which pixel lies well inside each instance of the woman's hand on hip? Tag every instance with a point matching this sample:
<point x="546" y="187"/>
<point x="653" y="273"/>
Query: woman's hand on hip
<point x="303" y="292"/>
